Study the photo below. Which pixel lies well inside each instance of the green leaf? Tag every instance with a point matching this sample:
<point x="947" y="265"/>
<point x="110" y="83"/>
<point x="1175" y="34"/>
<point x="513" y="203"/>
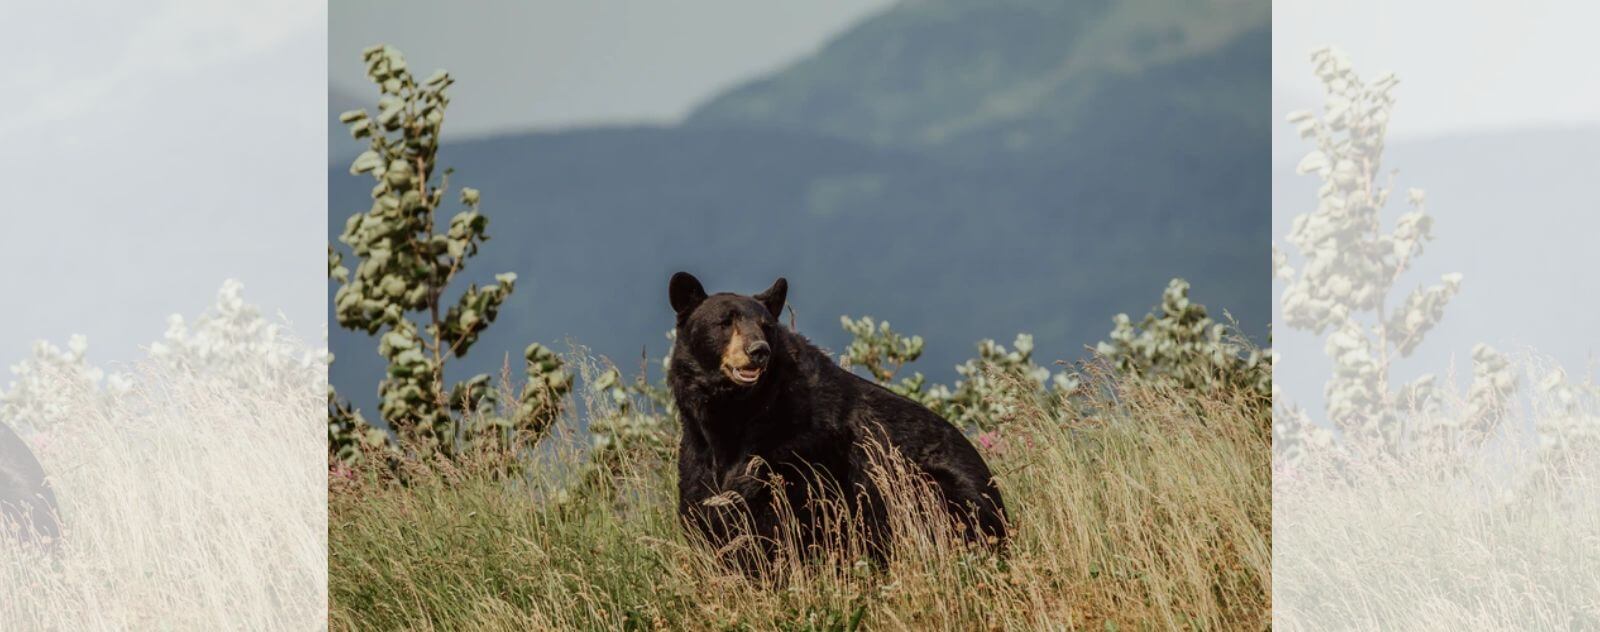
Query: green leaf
<point x="367" y="161"/>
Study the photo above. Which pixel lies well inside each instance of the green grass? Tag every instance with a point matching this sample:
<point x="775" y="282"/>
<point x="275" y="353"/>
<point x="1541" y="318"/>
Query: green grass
<point x="1151" y="512"/>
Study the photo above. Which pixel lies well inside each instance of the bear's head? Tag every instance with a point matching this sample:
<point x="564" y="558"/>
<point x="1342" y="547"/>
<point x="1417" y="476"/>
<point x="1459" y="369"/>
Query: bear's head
<point x="730" y="333"/>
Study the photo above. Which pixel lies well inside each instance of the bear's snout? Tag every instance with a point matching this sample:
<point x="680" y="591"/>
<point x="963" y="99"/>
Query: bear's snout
<point x="758" y="352"/>
<point x="745" y="357"/>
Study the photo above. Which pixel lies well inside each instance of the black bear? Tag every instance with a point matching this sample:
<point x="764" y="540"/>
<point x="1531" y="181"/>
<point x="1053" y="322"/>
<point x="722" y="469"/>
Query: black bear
<point x="27" y="504"/>
<point x="758" y="400"/>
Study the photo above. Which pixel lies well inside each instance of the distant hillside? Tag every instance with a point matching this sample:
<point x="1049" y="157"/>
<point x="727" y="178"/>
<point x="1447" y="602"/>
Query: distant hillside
<point x="1017" y="75"/>
<point x="1048" y="218"/>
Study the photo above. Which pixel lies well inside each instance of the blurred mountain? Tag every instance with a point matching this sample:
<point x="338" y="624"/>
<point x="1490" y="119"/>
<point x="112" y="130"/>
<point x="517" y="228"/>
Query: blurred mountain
<point x="964" y="170"/>
<point x="1009" y="77"/>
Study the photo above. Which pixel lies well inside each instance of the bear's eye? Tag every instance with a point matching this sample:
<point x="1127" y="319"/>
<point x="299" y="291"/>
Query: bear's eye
<point x="727" y="319"/>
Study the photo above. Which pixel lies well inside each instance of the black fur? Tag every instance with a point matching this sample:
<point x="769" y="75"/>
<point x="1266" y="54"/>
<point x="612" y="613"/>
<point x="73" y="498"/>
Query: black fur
<point x="807" y="420"/>
<point x="27" y="504"/>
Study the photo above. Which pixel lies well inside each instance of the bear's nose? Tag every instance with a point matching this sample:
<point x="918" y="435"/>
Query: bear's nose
<point x="758" y="352"/>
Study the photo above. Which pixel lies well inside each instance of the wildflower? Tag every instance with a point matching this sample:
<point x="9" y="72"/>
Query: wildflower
<point x="990" y="440"/>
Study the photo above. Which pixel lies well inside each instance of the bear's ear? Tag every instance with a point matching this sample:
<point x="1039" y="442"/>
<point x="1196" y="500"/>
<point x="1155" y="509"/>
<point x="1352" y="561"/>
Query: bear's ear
<point x="685" y="293"/>
<point x="773" y="297"/>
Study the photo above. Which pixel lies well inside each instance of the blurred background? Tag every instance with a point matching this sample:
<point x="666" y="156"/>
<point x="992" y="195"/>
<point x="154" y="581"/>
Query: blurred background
<point x="962" y="170"/>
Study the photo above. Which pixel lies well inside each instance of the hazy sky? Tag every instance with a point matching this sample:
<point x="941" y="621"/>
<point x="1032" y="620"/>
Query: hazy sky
<point x="1487" y="64"/>
<point x="151" y="150"/>
<point x="546" y="63"/>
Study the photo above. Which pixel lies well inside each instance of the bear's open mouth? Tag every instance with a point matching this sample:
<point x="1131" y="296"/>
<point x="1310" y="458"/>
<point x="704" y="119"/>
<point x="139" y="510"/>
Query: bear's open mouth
<point x="743" y="376"/>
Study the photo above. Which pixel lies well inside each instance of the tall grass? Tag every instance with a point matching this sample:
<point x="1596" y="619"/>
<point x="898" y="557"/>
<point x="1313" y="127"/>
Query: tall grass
<point x="1493" y="536"/>
<point x="189" y="502"/>
<point x="1137" y="508"/>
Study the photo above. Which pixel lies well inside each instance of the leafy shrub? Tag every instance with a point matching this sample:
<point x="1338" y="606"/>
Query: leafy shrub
<point x="32" y="399"/>
<point x="1571" y="421"/>
<point x="982" y="399"/>
<point x="882" y="352"/>
<point x="997" y="384"/>
<point x="405" y="267"/>
<point x="1182" y="346"/>
<point x="1349" y="267"/>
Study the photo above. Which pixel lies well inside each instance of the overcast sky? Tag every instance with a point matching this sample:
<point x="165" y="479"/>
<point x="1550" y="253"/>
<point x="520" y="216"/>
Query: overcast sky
<point x="560" y="63"/>
<point x="152" y="149"/>
<point x="1488" y="64"/>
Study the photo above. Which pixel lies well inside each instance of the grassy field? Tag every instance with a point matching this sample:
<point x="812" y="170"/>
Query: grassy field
<point x="192" y="501"/>
<point x="1499" y="536"/>
<point x="1406" y="548"/>
<point x="1153" y="511"/>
